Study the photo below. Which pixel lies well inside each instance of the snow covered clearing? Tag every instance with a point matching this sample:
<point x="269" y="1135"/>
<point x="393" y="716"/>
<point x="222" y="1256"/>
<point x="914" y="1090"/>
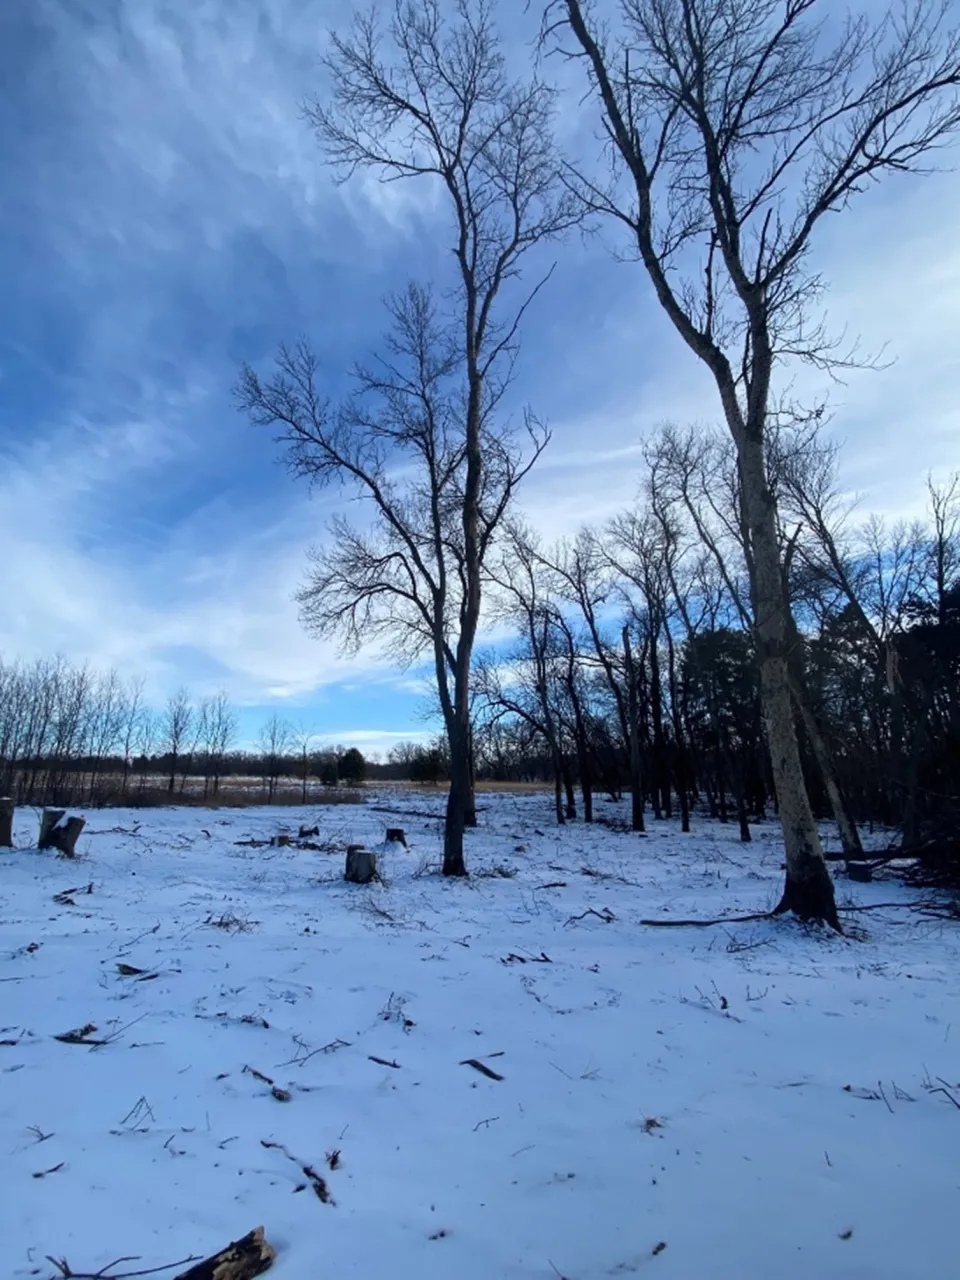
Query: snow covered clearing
<point x="261" y="1043"/>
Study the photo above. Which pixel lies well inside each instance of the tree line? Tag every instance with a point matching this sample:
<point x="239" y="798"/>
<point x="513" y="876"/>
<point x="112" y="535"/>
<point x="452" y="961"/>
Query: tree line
<point x="635" y="668"/>
<point x="72" y="735"/>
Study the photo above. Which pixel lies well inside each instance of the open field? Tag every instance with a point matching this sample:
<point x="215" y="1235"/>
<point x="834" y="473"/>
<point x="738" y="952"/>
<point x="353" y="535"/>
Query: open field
<point x="756" y="1100"/>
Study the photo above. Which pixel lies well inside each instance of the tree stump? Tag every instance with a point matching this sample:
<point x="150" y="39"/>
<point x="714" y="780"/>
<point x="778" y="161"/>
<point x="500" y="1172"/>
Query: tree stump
<point x="63" y="837"/>
<point x="6" y="822"/>
<point x="361" y="865"/>
<point x="242" y="1260"/>
<point x="858" y="871"/>
<point x="48" y="820"/>
<point x="396" y="835"/>
<point x="281" y="840"/>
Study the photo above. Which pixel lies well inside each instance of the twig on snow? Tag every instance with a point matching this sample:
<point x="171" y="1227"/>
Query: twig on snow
<point x="606" y="915"/>
<point x="383" y="1061"/>
<point x="67" y="1272"/>
<point x="317" y="1181"/>
<point x="482" y="1068"/>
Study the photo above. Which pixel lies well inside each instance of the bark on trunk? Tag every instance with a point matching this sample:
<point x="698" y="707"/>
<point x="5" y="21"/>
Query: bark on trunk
<point x="570" y="803"/>
<point x="242" y="1260"/>
<point x="63" y="837"/>
<point x="6" y="822"/>
<point x="849" y="836"/>
<point x="633" y="738"/>
<point x="808" y="891"/>
<point x="361" y="865"/>
<point x="458" y="799"/>
<point x="558" y="793"/>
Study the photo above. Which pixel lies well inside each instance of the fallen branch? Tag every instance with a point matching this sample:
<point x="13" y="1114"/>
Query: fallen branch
<point x="244" y="1259"/>
<point x="606" y="915"/>
<point x="316" y="1180"/>
<point x="772" y="915"/>
<point x="80" y="1035"/>
<point x="383" y="1061"/>
<point x="482" y="1068"/>
<point x="107" y="1272"/>
<point x="702" y="924"/>
<point x="281" y="1095"/>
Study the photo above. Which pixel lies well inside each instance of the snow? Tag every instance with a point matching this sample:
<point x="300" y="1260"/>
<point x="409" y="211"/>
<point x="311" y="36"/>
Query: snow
<point x="719" y="1103"/>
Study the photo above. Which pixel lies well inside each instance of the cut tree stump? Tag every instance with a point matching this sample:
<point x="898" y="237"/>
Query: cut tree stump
<point x="281" y="841"/>
<point x="242" y="1260"/>
<point x="6" y="822"/>
<point x="63" y="837"/>
<point x="48" y="820"/>
<point x="396" y="835"/>
<point x="361" y="865"/>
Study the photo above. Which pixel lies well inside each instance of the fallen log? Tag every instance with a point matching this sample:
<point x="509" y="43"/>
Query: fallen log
<point x="241" y="1260"/>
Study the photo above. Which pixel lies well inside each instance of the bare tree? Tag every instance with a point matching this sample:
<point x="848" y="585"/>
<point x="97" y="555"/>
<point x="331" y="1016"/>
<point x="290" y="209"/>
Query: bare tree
<point x="734" y="127"/>
<point x="525" y="601"/>
<point x="216" y="732"/>
<point x="273" y="743"/>
<point x="429" y="98"/>
<point x="177" y="723"/>
<point x="134" y="711"/>
<point x="303" y="737"/>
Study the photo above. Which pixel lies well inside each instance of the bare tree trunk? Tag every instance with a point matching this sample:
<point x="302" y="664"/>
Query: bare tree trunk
<point x="808" y="891"/>
<point x="470" y="807"/>
<point x="633" y="737"/>
<point x="6" y="822"/>
<point x="457" y="801"/>
<point x="570" y="803"/>
<point x="849" y="836"/>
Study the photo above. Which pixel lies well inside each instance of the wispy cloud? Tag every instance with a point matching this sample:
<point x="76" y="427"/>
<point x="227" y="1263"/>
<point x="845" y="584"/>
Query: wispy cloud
<point x="166" y="214"/>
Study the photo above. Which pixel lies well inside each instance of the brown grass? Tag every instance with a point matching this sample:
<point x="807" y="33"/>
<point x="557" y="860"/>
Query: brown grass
<point x="441" y="788"/>
<point x="236" y="797"/>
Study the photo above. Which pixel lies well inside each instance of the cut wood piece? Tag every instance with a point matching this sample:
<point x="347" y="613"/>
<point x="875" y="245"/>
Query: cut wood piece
<point x="281" y="840"/>
<point x="860" y="872"/>
<point x="361" y="865"/>
<point x="6" y="822"/>
<point x="242" y="1260"/>
<point x="395" y="834"/>
<point x="48" y="820"/>
<point x="61" y="836"/>
<point x="307" y="832"/>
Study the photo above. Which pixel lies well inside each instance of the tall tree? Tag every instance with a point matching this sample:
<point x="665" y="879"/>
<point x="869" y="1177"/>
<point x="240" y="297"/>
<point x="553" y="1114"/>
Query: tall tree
<point x="178" y="719"/>
<point x="429" y="98"/>
<point x="734" y="127"/>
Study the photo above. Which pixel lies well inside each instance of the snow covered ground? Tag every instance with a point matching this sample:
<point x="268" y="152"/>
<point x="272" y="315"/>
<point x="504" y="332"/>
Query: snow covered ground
<point x="747" y="1101"/>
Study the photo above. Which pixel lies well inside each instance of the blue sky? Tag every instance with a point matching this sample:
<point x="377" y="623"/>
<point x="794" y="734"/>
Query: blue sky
<point x="165" y="215"/>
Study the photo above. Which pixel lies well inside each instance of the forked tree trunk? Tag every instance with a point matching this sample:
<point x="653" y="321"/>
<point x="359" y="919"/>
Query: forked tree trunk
<point x="808" y="891"/>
